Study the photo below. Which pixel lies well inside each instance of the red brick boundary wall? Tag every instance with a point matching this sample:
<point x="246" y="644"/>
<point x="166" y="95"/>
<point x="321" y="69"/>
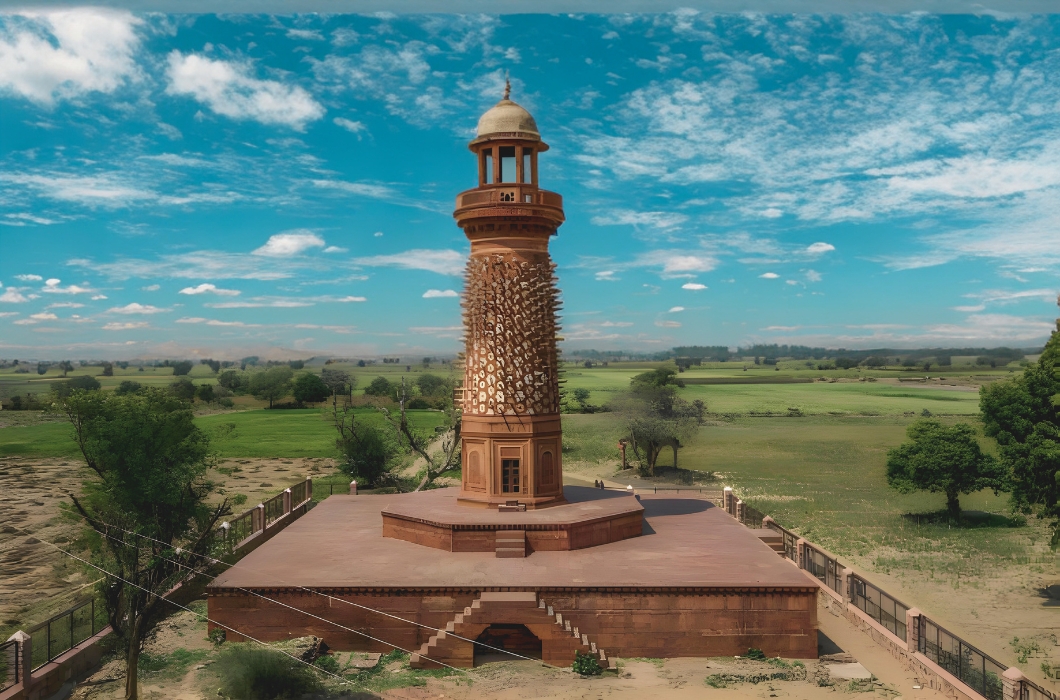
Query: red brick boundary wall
<point x="630" y="622"/>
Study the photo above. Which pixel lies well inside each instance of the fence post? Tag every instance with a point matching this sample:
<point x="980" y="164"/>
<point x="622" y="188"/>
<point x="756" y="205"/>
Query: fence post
<point x="225" y="534"/>
<point x="259" y="515"/>
<point x="800" y="552"/>
<point x="309" y="488"/>
<point x="353" y="488"/>
<point x="1011" y="684"/>
<point x="845" y="586"/>
<point x="726" y="500"/>
<point x="25" y="658"/>
<point x="287" y="501"/>
<point x="739" y="510"/>
<point x="912" y="630"/>
<point x="766" y="521"/>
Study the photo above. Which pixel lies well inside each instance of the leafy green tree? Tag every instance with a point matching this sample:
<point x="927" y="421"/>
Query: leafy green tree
<point x="271" y="384"/>
<point x="296" y="364"/>
<point x="108" y="369"/>
<point x="148" y="466"/>
<point x="433" y="385"/>
<point x="1023" y="415"/>
<point x="128" y="387"/>
<point x="656" y="418"/>
<point x="204" y="393"/>
<point x="846" y="363"/>
<point x="875" y="361"/>
<point x="83" y="382"/>
<point x="66" y="366"/>
<point x="235" y="381"/>
<point x="581" y="395"/>
<point x="42" y="368"/>
<point x="945" y="460"/>
<point x="310" y="388"/>
<point x="368" y="452"/>
<point x="380" y="386"/>
<point x="183" y="388"/>
<point x="182" y="368"/>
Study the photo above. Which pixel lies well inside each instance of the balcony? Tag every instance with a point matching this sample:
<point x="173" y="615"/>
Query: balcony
<point x="508" y="194"/>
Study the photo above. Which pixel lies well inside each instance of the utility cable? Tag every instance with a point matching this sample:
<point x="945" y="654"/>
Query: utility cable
<point x="212" y="560"/>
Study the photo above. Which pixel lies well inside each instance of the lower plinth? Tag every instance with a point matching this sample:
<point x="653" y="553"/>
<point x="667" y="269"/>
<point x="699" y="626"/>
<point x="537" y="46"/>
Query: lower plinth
<point x="586" y="518"/>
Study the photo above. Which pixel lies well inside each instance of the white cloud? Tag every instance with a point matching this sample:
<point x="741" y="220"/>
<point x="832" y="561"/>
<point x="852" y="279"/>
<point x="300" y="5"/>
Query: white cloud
<point x="290" y="243"/>
<point x="228" y="88"/>
<point x="29" y="278"/>
<point x="305" y="34"/>
<point x="65" y="305"/>
<point x="211" y="288"/>
<point x="970" y="309"/>
<point x="151" y="288"/>
<point x="439" y="293"/>
<point x="137" y="308"/>
<point x="443" y="262"/>
<point x="350" y="126"/>
<point x="654" y="219"/>
<point x="14" y="295"/>
<point x="191" y="319"/>
<point x="52" y="286"/>
<point x="676" y="309"/>
<point x="98" y="297"/>
<point x="5" y="314"/>
<point x="336" y="249"/>
<point x="348" y="299"/>
<point x="667" y="324"/>
<point x="262" y="303"/>
<point x="676" y="264"/>
<point x="63" y="54"/>
<point x="128" y="326"/>
<point x="819" y="248"/>
<point x="607" y="276"/>
<point x="694" y="286"/>
<point x="44" y="316"/>
<point x="769" y="275"/>
<point x="814" y="276"/>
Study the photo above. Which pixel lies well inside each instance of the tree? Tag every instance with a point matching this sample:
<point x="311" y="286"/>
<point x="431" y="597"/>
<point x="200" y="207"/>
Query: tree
<point x="215" y="366"/>
<point x="1023" y="415"/>
<point x="296" y="364"/>
<point x="271" y="384"/>
<point x="84" y="383"/>
<point x="657" y="418"/>
<point x="846" y="363"/>
<point x="42" y="368"/>
<point x="204" y="393"/>
<point x="183" y="389"/>
<point x="945" y="460"/>
<point x="65" y="366"/>
<point x="380" y="386"/>
<point x="182" y="368"/>
<point x="339" y="382"/>
<point x="875" y="361"/>
<point x="433" y="385"/>
<point x="148" y="464"/>
<point x="128" y="387"/>
<point x="368" y="451"/>
<point x="310" y="388"/>
<point x="108" y="369"/>
<point x="234" y="381"/>
<point x="420" y="442"/>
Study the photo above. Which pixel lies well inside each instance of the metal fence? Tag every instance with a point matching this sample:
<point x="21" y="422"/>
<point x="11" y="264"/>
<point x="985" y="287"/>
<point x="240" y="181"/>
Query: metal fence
<point x="881" y="607"/>
<point x="824" y="567"/>
<point x="752" y="517"/>
<point x="273" y="509"/>
<point x="9" y="652"/>
<point x="299" y="493"/>
<point x="791" y="541"/>
<point x="971" y="666"/>
<point x="239" y="529"/>
<point x="57" y="635"/>
<point x="1032" y="691"/>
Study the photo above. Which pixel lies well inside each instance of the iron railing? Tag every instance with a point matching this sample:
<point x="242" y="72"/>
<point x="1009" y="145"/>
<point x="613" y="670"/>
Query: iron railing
<point x="791" y="540"/>
<point x="752" y="517"/>
<point x="969" y="665"/>
<point x="60" y="633"/>
<point x="9" y="664"/>
<point x="299" y="493"/>
<point x="824" y="567"/>
<point x="273" y="509"/>
<point x="881" y="607"/>
<point x="239" y="529"/>
<point x="1029" y="690"/>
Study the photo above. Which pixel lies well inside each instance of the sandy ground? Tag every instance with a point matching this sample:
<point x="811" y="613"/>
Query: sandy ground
<point x="37" y="580"/>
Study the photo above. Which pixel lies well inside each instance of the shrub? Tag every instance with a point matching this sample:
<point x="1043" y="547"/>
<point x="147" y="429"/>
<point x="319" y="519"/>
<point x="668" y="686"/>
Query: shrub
<point x="128" y="387"/>
<point x="755" y="654"/>
<point x="328" y="663"/>
<point x="379" y="387"/>
<point x="586" y="664"/>
<point x="249" y="672"/>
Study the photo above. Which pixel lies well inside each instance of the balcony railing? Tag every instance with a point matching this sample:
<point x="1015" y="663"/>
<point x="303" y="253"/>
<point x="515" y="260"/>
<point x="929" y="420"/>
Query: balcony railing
<point x="509" y="194"/>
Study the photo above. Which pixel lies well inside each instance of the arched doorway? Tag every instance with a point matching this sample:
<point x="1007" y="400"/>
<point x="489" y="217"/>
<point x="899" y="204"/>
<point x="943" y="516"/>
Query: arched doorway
<point x="514" y="638"/>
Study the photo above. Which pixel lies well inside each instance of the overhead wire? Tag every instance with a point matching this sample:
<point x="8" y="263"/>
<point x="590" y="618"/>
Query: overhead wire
<point x="337" y="677"/>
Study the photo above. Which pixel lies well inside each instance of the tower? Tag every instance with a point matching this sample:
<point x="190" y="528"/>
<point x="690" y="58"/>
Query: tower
<point x="510" y="434"/>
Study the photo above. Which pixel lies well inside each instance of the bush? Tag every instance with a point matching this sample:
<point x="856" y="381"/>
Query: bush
<point x="756" y="654"/>
<point x="586" y="664"/>
<point x="310" y="388"/>
<point x="328" y="663"/>
<point x="379" y="387"/>
<point x="204" y="392"/>
<point x="183" y="388"/>
<point x="250" y="672"/>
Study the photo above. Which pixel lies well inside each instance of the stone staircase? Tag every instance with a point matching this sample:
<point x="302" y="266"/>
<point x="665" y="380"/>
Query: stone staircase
<point x="773" y="539"/>
<point x="560" y="639"/>
<point x="511" y="544"/>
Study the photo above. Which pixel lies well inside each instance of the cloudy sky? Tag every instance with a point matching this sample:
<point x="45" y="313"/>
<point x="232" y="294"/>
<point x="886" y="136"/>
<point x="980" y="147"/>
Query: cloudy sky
<point x="221" y="185"/>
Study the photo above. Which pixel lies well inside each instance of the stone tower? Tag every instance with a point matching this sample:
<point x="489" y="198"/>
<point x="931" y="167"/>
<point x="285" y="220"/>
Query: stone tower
<point x="510" y="433"/>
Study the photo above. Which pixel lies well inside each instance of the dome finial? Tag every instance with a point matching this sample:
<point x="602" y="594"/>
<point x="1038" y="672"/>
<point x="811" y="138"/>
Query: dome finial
<point x="507" y="86"/>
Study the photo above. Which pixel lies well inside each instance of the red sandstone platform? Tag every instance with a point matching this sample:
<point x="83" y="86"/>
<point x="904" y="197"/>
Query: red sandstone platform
<point x="589" y="518"/>
<point x="685" y="543"/>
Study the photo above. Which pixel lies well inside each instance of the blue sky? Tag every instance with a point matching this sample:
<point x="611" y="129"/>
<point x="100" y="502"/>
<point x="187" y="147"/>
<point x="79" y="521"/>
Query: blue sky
<point x="227" y="185"/>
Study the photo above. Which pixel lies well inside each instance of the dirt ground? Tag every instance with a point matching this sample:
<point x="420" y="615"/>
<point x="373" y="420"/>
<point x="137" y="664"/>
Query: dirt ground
<point x="37" y="580"/>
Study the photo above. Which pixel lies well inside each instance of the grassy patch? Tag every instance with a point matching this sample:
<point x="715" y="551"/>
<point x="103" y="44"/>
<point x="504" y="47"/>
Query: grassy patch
<point x="170" y="666"/>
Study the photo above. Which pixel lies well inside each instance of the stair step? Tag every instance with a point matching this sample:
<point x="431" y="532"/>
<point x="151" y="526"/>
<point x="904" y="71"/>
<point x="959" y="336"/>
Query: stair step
<point x="511" y="552"/>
